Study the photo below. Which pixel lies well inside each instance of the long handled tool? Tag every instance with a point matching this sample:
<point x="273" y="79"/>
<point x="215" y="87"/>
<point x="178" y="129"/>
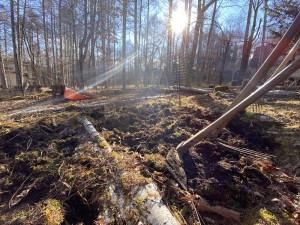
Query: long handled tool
<point x="244" y="99"/>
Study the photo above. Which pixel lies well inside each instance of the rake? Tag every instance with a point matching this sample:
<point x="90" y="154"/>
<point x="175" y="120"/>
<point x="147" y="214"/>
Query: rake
<point x="247" y="96"/>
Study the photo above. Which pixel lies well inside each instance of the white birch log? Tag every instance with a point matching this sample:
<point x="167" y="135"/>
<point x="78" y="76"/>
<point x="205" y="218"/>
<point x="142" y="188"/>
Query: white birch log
<point x="152" y="207"/>
<point x="156" y="211"/>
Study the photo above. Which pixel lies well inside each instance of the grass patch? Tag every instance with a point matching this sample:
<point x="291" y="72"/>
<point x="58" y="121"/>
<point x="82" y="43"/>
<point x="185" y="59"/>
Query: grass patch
<point x="266" y="217"/>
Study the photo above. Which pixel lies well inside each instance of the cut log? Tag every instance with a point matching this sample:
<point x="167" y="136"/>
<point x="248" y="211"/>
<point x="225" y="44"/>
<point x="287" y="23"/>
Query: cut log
<point x="145" y="198"/>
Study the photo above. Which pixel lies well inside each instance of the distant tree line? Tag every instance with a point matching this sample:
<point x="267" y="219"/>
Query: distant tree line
<point x="74" y="42"/>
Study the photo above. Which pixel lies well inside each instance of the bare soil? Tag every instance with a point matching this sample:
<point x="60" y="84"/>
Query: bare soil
<point x="47" y="156"/>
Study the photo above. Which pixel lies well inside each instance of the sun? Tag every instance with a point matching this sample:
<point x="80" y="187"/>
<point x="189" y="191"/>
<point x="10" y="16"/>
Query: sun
<point x="179" y="20"/>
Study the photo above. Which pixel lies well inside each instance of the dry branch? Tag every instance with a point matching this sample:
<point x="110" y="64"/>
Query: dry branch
<point x="227" y="213"/>
<point x="203" y="206"/>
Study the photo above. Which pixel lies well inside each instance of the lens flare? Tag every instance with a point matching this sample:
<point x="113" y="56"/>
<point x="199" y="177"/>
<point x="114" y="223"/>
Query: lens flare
<point x="179" y="20"/>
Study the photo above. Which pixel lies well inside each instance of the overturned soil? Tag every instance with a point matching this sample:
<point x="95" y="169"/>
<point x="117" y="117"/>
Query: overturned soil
<point x="47" y="158"/>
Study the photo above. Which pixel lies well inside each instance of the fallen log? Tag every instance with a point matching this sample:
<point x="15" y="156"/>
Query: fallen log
<point x="144" y="198"/>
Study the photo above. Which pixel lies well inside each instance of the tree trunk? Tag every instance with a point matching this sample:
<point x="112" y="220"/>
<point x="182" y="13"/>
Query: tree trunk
<point x="42" y="76"/>
<point x="135" y="44"/>
<point x="2" y="71"/>
<point x="94" y="37"/>
<point x="110" y="25"/>
<point x="251" y="37"/>
<point x="125" y="3"/>
<point x="146" y="63"/>
<point x="227" y="48"/>
<point x="30" y="50"/>
<point x="169" y="44"/>
<point x="263" y="39"/>
<point x="209" y="39"/>
<point x="184" y="32"/>
<point x="139" y="41"/>
<point x="49" y="75"/>
<point x="61" y="61"/>
<point x="245" y="56"/>
<point x="200" y="43"/>
<point x="14" y="42"/>
<point x="84" y="43"/>
<point x="103" y="37"/>
<point x="54" y="46"/>
<point x="20" y="36"/>
<point x="74" y="46"/>
<point x="200" y="11"/>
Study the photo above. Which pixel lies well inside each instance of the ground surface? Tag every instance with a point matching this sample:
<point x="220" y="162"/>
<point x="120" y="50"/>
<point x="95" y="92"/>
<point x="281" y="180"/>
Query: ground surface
<point x="48" y="174"/>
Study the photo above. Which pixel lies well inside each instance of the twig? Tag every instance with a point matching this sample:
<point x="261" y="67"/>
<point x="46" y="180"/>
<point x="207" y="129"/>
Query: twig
<point x="201" y="222"/>
<point x="29" y="142"/>
<point x="12" y="138"/>
<point x="20" y="187"/>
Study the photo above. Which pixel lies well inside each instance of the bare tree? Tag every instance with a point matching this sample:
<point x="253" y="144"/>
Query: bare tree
<point x="61" y="63"/>
<point x="87" y="34"/>
<point x="263" y="38"/>
<point x="169" y="44"/>
<point x="248" y="39"/>
<point x="14" y="42"/>
<point x="200" y="12"/>
<point x="124" y="11"/>
<point x="31" y="29"/>
<point x="2" y="71"/>
<point x="209" y="38"/>
<point x="135" y="41"/>
<point x="46" y="43"/>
